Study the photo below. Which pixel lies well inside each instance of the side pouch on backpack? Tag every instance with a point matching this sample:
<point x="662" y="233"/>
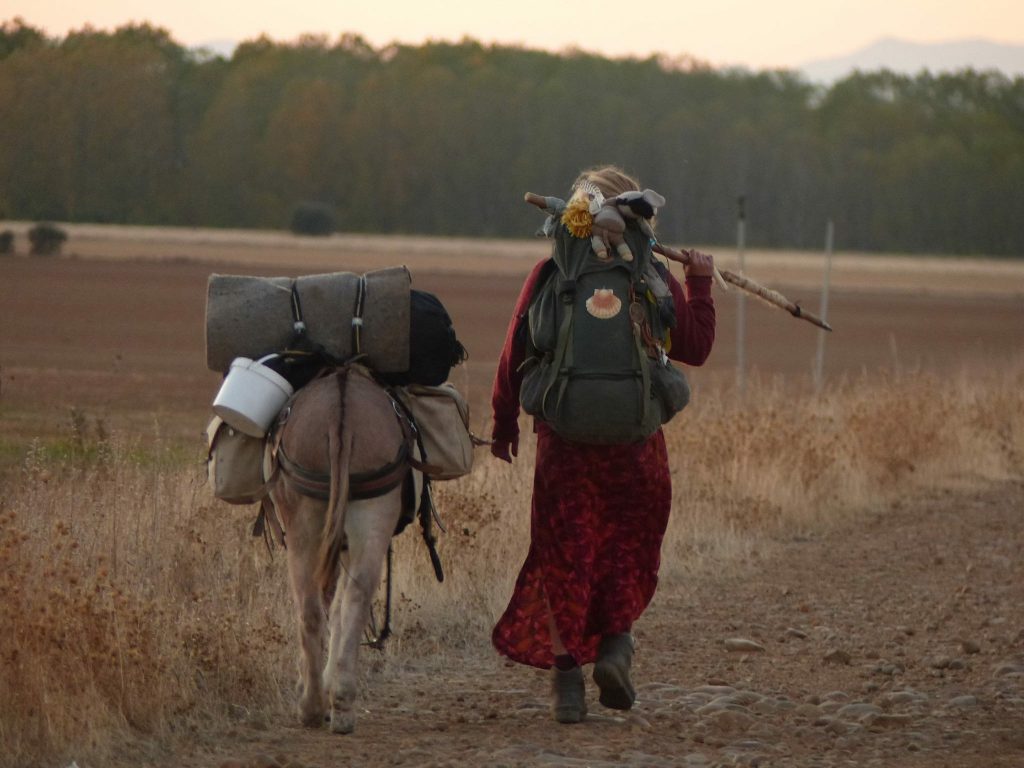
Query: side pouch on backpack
<point x="442" y="418"/>
<point x="670" y="388"/>
<point x="535" y="383"/>
<point x="234" y="464"/>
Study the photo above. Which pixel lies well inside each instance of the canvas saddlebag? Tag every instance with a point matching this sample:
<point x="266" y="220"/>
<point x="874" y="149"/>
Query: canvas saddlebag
<point x="235" y="464"/>
<point x="441" y="415"/>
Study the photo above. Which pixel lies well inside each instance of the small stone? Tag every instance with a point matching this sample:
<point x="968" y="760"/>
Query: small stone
<point x="888" y="721"/>
<point x="715" y="689"/>
<point x="958" y="664"/>
<point x="940" y="662"/>
<point x="1007" y="669"/>
<point x="896" y="698"/>
<point x="837" y="726"/>
<point x="964" y="702"/>
<point x="730" y="721"/>
<point x="809" y="711"/>
<point x="837" y="656"/>
<point x="797" y="633"/>
<point x="889" y="669"/>
<point x="743" y="645"/>
<point x="765" y="706"/>
<point x="859" y="710"/>
<point x="831" y="707"/>
<point x="969" y="646"/>
<point x="750" y="744"/>
<point x="639" y="722"/>
<point x="718" y="706"/>
<point x="745" y="698"/>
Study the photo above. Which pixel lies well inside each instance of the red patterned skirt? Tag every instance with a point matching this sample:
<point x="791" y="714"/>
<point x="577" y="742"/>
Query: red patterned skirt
<point x="598" y="518"/>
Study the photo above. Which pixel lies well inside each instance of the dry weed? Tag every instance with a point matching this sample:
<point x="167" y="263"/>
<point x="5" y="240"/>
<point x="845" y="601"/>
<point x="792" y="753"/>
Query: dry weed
<point x="137" y="610"/>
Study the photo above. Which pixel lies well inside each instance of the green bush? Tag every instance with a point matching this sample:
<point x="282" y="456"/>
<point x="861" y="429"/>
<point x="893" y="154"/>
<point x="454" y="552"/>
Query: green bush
<point x="46" y="239"/>
<point x="6" y="243"/>
<point x="313" y="219"/>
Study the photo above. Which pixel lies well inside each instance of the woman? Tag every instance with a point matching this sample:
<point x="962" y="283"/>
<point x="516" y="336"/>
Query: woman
<point x="599" y="513"/>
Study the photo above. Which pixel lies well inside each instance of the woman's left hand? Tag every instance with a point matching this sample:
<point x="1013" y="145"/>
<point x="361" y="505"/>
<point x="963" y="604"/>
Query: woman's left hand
<point x="505" y="449"/>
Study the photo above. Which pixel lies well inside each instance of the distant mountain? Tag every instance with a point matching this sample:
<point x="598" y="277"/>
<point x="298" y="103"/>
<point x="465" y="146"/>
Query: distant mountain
<point x="225" y="48"/>
<point x="910" y="58"/>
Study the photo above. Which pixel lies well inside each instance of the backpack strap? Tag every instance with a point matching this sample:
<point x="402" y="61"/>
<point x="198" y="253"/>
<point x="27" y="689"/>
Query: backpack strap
<point x="566" y="292"/>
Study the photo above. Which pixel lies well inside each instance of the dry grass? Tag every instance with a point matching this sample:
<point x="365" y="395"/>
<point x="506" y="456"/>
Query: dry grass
<point x="776" y="462"/>
<point x="138" y="612"/>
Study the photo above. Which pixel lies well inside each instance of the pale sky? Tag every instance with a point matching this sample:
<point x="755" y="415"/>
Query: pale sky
<point x="758" y="34"/>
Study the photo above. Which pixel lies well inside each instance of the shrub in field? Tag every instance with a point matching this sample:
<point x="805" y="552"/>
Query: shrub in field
<point x="46" y="239"/>
<point x="6" y="243"/>
<point x="312" y="218"/>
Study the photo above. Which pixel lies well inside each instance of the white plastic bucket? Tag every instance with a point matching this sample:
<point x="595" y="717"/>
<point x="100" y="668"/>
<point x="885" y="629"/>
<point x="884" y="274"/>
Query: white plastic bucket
<point x="251" y="396"/>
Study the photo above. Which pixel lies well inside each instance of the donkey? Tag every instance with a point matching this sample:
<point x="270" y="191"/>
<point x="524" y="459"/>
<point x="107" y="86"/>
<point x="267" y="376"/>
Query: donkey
<point x="342" y="437"/>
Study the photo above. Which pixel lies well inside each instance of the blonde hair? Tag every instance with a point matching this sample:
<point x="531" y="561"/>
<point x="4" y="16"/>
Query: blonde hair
<point x="610" y="179"/>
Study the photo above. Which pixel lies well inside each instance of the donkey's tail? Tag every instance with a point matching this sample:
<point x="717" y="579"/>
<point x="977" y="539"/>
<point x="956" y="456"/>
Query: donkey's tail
<point x="339" y="449"/>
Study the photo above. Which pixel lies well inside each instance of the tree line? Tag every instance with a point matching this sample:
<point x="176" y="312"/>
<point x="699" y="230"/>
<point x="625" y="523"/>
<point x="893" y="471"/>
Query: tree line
<point x="444" y="138"/>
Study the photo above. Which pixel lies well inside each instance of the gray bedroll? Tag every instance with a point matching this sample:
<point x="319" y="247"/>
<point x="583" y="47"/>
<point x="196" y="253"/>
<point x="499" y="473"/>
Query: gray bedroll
<point x="253" y="316"/>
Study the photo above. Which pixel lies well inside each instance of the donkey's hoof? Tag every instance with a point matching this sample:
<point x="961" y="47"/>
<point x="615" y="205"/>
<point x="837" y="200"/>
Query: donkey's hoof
<point x="342" y="721"/>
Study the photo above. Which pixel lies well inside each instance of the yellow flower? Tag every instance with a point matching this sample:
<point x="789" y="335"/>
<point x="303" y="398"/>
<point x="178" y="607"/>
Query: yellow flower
<point x="577" y="217"/>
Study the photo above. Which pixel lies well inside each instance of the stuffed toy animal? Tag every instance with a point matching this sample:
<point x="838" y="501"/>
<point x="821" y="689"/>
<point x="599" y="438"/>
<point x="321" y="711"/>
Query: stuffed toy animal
<point x="610" y="221"/>
<point x="588" y="213"/>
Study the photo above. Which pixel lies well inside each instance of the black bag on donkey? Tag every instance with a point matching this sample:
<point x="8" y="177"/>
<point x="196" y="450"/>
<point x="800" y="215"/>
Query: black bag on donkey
<point x="433" y="347"/>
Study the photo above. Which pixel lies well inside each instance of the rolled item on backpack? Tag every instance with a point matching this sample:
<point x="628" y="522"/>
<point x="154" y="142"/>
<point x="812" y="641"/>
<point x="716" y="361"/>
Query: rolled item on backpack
<point x="254" y="316"/>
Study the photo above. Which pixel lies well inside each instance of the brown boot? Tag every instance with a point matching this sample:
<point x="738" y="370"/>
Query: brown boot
<point x="570" y="696"/>
<point x="611" y="672"/>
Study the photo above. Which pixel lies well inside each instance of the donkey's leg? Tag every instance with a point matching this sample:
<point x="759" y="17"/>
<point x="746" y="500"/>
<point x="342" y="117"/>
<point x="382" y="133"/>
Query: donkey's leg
<point x="369" y="525"/>
<point x="304" y="528"/>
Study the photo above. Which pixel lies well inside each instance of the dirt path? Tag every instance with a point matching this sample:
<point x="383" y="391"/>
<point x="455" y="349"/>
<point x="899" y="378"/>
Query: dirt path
<point x="897" y="642"/>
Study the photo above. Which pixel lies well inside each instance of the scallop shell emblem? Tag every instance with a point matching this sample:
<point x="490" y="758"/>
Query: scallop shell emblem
<point x="604" y="304"/>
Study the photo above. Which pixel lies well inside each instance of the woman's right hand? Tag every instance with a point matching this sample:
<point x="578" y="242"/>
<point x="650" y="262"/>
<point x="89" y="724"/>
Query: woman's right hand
<point x="700" y="264"/>
<point x="505" y="449"/>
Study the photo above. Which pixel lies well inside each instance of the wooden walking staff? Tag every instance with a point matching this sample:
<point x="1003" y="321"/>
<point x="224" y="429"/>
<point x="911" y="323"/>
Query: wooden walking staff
<point x="722" y="278"/>
<point x="746" y="284"/>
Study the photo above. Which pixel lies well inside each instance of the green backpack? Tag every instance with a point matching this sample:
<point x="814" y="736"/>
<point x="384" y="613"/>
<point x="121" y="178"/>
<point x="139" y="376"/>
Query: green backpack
<point x="596" y="370"/>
